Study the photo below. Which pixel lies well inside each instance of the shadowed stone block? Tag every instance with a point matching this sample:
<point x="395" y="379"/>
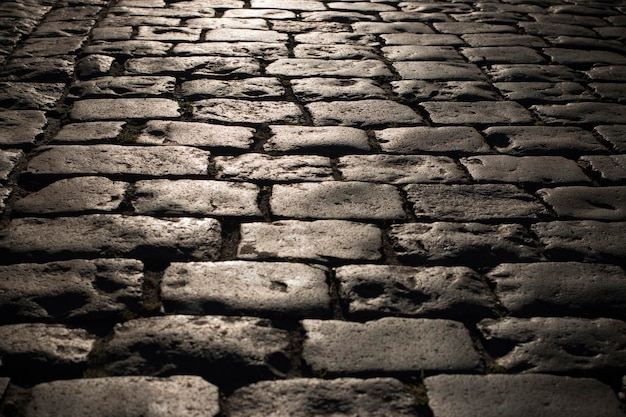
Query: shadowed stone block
<point x="193" y="65"/>
<point x="8" y="161"/>
<point x="594" y="203"/>
<point x="123" y="87"/>
<point x="610" y="167"/>
<point x="21" y="127"/>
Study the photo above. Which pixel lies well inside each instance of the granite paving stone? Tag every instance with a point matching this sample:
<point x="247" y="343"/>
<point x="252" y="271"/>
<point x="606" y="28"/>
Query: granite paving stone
<point x="336" y="16"/>
<point x="123" y="87"/>
<point x="129" y="48"/>
<point x="310" y="67"/>
<point x="556" y="29"/>
<point x="299" y="5"/>
<point x="4" y="194"/>
<point x="39" y="69"/>
<point x="390" y="27"/>
<point x="607" y="73"/>
<point x="225" y="22"/>
<point x="438" y="70"/>
<point x="614" y="135"/>
<point x="273" y="14"/>
<point x="421" y="39"/>
<point x="477" y="113"/>
<point x="257" y="87"/>
<point x="8" y="161"/>
<point x="94" y="65"/>
<point x="244" y="35"/>
<point x="261" y="167"/>
<point x="416" y="140"/>
<point x="610" y="91"/>
<point x="503" y="55"/>
<point x="362" y="113"/>
<point x="418" y="90"/>
<point x="532" y="72"/>
<point x="361" y="6"/>
<point x="119" y="33"/>
<point x="320" y="139"/>
<point x="226" y="110"/>
<point x="124" y="108"/>
<point x="318" y="89"/>
<point x="238" y="287"/>
<point x="424" y="53"/>
<point x="50" y="47"/>
<point x="573" y="57"/>
<point x="388" y="346"/>
<point x="300" y="26"/>
<point x="580" y="113"/>
<point x="461" y="28"/>
<point x="544" y="92"/>
<point x="74" y="290"/>
<point x="156" y="33"/>
<point x="328" y="38"/>
<point x="269" y="51"/>
<point x="609" y="168"/>
<point x="478" y="40"/>
<point x="89" y="132"/>
<point x="21" y="127"/>
<point x="165" y="132"/>
<point x="194" y="65"/>
<point x="30" y="96"/>
<point x="593" y="203"/>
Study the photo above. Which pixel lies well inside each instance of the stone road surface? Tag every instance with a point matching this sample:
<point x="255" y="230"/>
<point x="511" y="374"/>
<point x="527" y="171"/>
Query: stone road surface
<point x="312" y="208"/>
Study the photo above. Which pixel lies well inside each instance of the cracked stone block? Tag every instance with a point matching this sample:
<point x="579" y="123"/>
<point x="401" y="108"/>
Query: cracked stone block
<point x="585" y="240"/>
<point x="124" y="108"/>
<point x="123" y="87"/>
<point x="60" y="29"/>
<point x="338" y="200"/>
<point x="301" y="397"/>
<point x="30" y="96"/>
<point x="8" y="161"/>
<point x="335" y="51"/>
<point x="185" y="396"/>
<point x="268" y="51"/>
<point x="21" y="127"/>
<point x="466" y="243"/>
<point x="400" y="169"/>
<point x="607" y="73"/>
<point x="248" y="288"/>
<point x="299" y="5"/>
<point x="477" y="113"/>
<point x="193" y="65"/>
<point x="129" y="48"/>
<point x="610" y="167"/>
<point x="556" y="29"/>
<point x="362" y="113"/>
<point x="39" y="69"/>
<point x="388" y="346"/>
<point x="206" y="198"/>
<point x="319" y="241"/>
<point x="444" y="90"/>
<point x="330" y="38"/>
<point x="165" y="33"/>
<point x="534" y="395"/>
<point x="555" y="344"/>
<point x="560" y="288"/>
<point x="423" y="53"/>
<point x="94" y="65"/>
<point x="119" y="33"/>
<point x="119" y="159"/>
<point x="112" y="235"/>
<point x="224" y="350"/>
<point x="50" y="47"/>
<point x="257" y="87"/>
<point x="371" y="291"/>
<point x="164" y="132"/>
<point x="546" y="170"/>
<point x="89" y="131"/>
<point x="532" y="73"/>
<point x="273" y="14"/>
<point x="592" y="203"/>
<point x="610" y="91"/>
<point x="308" y="67"/>
<point x="243" y="111"/>
<point x="315" y="89"/>
<point x="615" y="135"/>
<point x="472" y="202"/>
<point x="320" y="139"/>
<point x="438" y="70"/>
<point x="410" y="140"/>
<point x="581" y="113"/>
<point x="544" y="91"/>
<point x="461" y="28"/>
<point x="261" y="167"/>
<point x="70" y="290"/>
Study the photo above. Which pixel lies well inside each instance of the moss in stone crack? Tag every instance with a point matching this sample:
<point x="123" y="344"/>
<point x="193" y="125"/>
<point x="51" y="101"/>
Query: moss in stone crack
<point x="130" y="132"/>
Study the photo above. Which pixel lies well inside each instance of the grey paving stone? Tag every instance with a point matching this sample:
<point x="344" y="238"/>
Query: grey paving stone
<point x="461" y="28"/>
<point x="581" y="113"/>
<point x="431" y="7"/>
<point x="224" y="350"/>
<point x="418" y="90"/>
<point x="556" y="29"/>
<point x="318" y="241"/>
<point x="39" y="69"/>
<point x="421" y="39"/>
<point x="329" y="38"/>
<point x="388" y="346"/>
<point x="165" y="33"/>
<point x="463" y="243"/>
<point x="4" y="194"/>
<point x="302" y="397"/>
<point x="560" y="288"/>
<point x="161" y="132"/>
<point x="8" y="160"/>
<point x="503" y="39"/>
<point x="400" y="169"/>
<point x="21" y="127"/>
<point x="438" y="292"/>
<point x="88" y="132"/>
<point x="586" y="240"/>
<point x="391" y="27"/>
<point x="579" y="42"/>
<point x="243" y="111"/>
<point x="73" y="13"/>
<point x="261" y="167"/>
<point x="536" y="395"/>
<point x="607" y="73"/>
<point x="192" y="65"/>
<point x="50" y="47"/>
<point x="337" y="200"/>
<point x="361" y="6"/>
<point x="308" y="67"/>
<point x="255" y="288"/>
<point x="274" y="14"/>
<point x="610" y="91"/>
<point x="43" y="348"/>
<point x="321" y="139"/>
<point x="438" y="70"/>
<point x="503" y="55"/>
<point x="424" y="53"/>
<point x="573" y="57"/>
<point x="269" y="51"/>
<point x="257" y="87"/>
<point x="123" y="87"/>
<point x="459" y="202"/>
<point x="61" y="29"/>
<point x="477" y="113"/>
<point x="70" y="290"/>
<point x="335" y="24"/>
<point x="593" y="203"/>
<point x="615" y="135"/>
<point x="317" y="89"/>
<point x="196" y="197"/>
<point x="413" y="16"/>
<point x="185" y="396"/>
<point x="129" y="48"/>
<point x="119" y="33"/>
<point x="555" y="344"/>
<point x="609" y="167"/>
<point x="118" y="159"/>
<point x="94" y="66"/>
<point x="30" y="96"/>
<point x="544" y="91"/>
<point x="112" y="235"/>
<point x="130" y="20"/>
<point x="244" y="35"/>
<point x="546" y="170"/>
<point x="336" y="16"/>
<point x="542" y="140"/>
<point x="124" y="108"/>
<point x="226" y="22"/>
<point x="302" y="5"/>
<point x="408" y="140"/>
<point x="532" y="72"/>
<point x="362" y="113"/>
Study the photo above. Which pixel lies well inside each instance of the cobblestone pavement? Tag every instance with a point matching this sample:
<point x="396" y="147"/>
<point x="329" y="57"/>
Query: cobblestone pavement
<point x="312" y="208"/>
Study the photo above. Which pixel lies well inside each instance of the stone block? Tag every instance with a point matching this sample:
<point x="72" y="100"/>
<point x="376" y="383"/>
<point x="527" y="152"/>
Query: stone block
<point x="225" y="110"/>
<point x="477" y="113"/>
<point x="301" y="67"/>
<point x="21" y="127"/>
<point x="124" y="108"/>
<point x="438" y="70"/>
<point x="165" y="132"/>
<point x="317" y="89"/>
<point x="362" y="113"/>
<point x="89" y="132"/>
<point x="8" y="162"/>
<point x="610" y="167"/>
<point x="30" y="96"/>
<point x="321" y="139"/>
<point x="192" y="65"/>
<point x="123" y="86"/>
<point x="581" y="113"/>
<point x="419" y="90"/>
<point x="256" y="87"/>
<point x="261" y="167"/>
<point x="592" y="203"/>
<point x="420" y="139"/>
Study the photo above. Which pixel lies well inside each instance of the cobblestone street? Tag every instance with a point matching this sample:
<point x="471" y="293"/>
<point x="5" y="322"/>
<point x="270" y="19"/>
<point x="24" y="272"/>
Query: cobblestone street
<point x="297" y="208"/>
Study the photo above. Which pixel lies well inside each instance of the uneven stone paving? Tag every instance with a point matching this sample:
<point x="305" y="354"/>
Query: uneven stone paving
<point x="243" y="208"/>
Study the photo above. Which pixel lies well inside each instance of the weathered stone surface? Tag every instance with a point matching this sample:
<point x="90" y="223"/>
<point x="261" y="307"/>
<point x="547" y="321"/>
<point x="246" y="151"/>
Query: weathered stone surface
<point x="544" y="91"/>
<point x="573" y="57"/>
<point x="224" y="350"/>
<point x="615" y="135"/>
<point x="463" y="243"/>
<point x="244" y="35"/>
<point x="388" y="346"/>
<point x="593" y="203"/>
<point x="503" y="39"/>
<point x="375" y="397"/>
<point x="119" y="33"/>
<point x="185" y="396"/>
<point x="255" y="288"/>
<point x="337" y="200"/>
<point x="607" y="73"/>
<point x="610" y="91"/>
<point x="560" y="288"/>
<point x="33" y="96"/>
<point x="124" y="108"/>
<point x="330" y="38"/>
<point x="207" y="198"/>
<point x="437" y="70"/>
<point x="4" y="383"/>
<point x="261" y="167"/>
<point x="362" y="113"/>
<point x="112" y="235"/>
<point x="503" y="55"/>
<point x="477" y="113"/>
<point x="119" y="159"/>
<point x="459" y="28"/>
<point x="532" y="72"/>
<point x="319" y="241"/>
<point x="50" y="47"/>
<point x="21" y="127"/>
<point x="472" y="202"/>
<point x="148" y="86"/>
<point x="70" y="290"/>
<point x="39" y="69"/>
<point x="556" y="344"/>
<point x="322" y="139"/>
<point x="230" y="21"/>
<point x="160" y="132"/>
<point x="257" y="87"/>
<point x="89" y="132"/>
<point x="588" y="240"/>
<point x="243" y="111"/>
<point x="444" y="90"/>
<point x="536" y="395"/>
<point x="129" y="48"/>
<point x="421" y="39"/>
<point x="423" y="53"/>
<point x="410" y="140"/>
<point x="308" y="67"/>
<point x="246" y="14"/>
<point x="581" y="113"/>
<point x="194" y="65"/>
<point x="164" y="33"/>
<point x="533" y="169"/>
<point x="610" y="168"/>
<point x="269" y="51"/>
<point x="4" y="194"/>
<point x="400" y="169"/>
<point x="314" y="89"/>
<point x="448" y="292"/>
<point x="8" y="161"/>
<point x="335" y="51"/>
<point x="94" y="65"/>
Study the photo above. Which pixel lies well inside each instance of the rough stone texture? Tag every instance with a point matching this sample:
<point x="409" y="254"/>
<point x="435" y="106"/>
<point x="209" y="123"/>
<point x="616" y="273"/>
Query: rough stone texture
<point x="337" y="200"/>
<point x="185" y="396"/>
<point x="309" y="67"/>
<point x="8" y="161"/>
<point x="448" y="292"/>
<point x="320" y="241"/>
<point x="21" y="127"/>
<point x="236" y="287"/>
<point x="560" y="288"/>
<point x="323" y="139"/>
<point x="610" y="168"/>
<point x="94" y="65"/>
<point x="193" y="65"/>
<point x="113" y="235"/>
<point x="615" y="135"/>
<point x="388" y="346"/>
<point x="465" y="243"/>
<point x="408" y="140"/>
<point x="89" y="132"/>
<point x="535" y="395"/>
<point x="257" y="87"/>
<point x="556" y="344"/>
<point x="225" y="350"/>
<point x="593" y="203"/>
<point x="362" y="113"/>
<point x="148" y="86"/>
<point x="375" y="397"/>
<point x="477" y="113"/>
<point x="269" y="51"/>
<point x="581" y="113"/>
<point x="161" y="132"/>
<point x="438" y="70"/>
<point x="260" y="167"/>
<point x="532" y="72"/>
<point x="314" y="89"/>
<point x="33" y="96"/>
<point x="226" y="110"/>
<point x="544" y="91"/>
<point x="124" y="108"/>
<point x="419" y="90"/>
